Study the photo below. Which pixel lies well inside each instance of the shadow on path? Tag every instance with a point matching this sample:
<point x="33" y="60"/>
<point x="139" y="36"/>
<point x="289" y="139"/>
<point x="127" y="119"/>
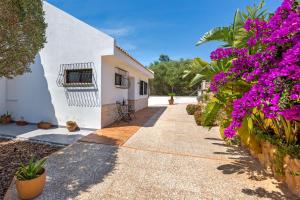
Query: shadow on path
<point x="75" y="169"/>
<point x="243" y="163"/>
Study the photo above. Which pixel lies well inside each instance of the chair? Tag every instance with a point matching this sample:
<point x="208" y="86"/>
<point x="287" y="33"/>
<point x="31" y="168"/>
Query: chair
<point x="123" y="113"/>
<point x="131" y="110"/>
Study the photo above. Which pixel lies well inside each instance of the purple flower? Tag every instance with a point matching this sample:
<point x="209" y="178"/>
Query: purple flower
<point x="273" y="71"/>
<point x="292" y="113"/>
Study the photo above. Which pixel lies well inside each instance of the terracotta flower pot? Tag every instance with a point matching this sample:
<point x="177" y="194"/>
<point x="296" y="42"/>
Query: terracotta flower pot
<point x="72" y="126"/>
<point x="171" y="101"/>
<point x="21" y="123"/>
<point x="292" y="170"/>
<point x="44" y="125"/>
<point x="29" y="189"/>
<point x="6" y="120"/>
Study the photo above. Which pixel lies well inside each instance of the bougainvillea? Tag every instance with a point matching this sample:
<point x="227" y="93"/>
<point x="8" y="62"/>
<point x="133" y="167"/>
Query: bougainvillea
<point x="270" y="65"/>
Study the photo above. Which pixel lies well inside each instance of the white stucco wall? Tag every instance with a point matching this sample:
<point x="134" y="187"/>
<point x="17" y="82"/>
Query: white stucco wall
<point x="110" y="93"/>
<point x="163" y="100"/>
<point x="36" y="96"/>
<point x="2" y="96"/>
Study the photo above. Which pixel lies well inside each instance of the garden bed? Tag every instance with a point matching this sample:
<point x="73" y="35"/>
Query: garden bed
<point x="12" y="152"/>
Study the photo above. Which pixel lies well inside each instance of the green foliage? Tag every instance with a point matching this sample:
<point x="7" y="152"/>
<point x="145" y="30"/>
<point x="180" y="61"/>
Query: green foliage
<point x="192" y="108"/>
<point x="164" y="58"/>
<point x="32" y="170"/>
<point x="198" y="117"/>
<point x="193" y="71"/>
<point x="278" y="161"/>
<point x="295" y="173"/>
<point x="7" y="114"/>
<point x="235" y="34"/>
<point x="211" y="111"/>
<point x="217" y="34"/>
<point x="22" y="35"/>
<point x="294" y="151"/>
<point x="283" y="148"/>
<point x="169" y="78"/>
<point x="172" y="94"/>
<point x="200" y="70"/>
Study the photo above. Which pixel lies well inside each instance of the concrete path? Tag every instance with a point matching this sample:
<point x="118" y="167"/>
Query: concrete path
<point x="170" y="159"/>
<point x="55" y="135"/>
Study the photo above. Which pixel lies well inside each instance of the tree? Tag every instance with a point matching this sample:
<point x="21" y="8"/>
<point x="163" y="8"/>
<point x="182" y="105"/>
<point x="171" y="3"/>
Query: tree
<point x="22" y="35"/>
<point x="168" y="78"/>
<point x="164" y="58"/>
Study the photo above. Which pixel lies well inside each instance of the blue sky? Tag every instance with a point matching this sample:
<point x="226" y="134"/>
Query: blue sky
<point x="148" y="28"/>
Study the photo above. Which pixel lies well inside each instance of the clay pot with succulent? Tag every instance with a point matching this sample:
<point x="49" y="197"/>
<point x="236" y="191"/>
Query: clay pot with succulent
<point x="72" y="126"/>
<point x="6" y="118"/>
<point x="30" y="179"/>
<point x="171" y="100"/>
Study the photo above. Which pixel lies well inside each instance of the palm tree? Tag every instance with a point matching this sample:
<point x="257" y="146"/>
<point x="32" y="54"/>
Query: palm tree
<point x="235" y="35"/>
<point x="200" y="70"/>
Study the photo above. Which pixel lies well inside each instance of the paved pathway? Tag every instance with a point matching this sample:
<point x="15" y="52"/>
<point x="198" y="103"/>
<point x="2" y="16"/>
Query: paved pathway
<point x="55" y="135"/>
<point x="170" y="159"/>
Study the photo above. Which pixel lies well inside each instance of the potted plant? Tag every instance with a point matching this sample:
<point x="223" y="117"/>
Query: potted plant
<point x="72" y="126"/>
<point x="21" y="122"/>
<point x="44" y="125"/>
<point x="171" y="100"/>
<point x="6" y="118"/>
<point x="30" y="179"/>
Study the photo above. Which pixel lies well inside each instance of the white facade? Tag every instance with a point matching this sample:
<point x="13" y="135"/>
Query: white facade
<point x="164" y="100"/>
<point x="37" y="96"/>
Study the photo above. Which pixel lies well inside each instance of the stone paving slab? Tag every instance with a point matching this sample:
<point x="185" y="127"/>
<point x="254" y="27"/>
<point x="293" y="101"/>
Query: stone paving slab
<point x="161" y="169"/>
<point x="119" y="132"/>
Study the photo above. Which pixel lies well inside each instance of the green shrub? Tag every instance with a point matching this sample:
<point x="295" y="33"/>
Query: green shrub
<point x="192" y="108"/>
<point x="198" y="117"/>
<point x="172" y="94"/>
<point x="294" y="151"/>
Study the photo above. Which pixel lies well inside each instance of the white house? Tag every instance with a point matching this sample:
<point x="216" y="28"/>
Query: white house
<point x="79" y="75"/>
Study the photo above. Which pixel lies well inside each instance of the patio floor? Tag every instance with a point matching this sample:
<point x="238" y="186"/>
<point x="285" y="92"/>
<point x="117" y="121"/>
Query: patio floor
<point x="119" y="132"/>
<point x="59" y="136"/>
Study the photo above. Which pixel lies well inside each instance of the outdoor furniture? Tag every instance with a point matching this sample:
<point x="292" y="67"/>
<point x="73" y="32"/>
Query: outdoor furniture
<point x="123" y="113"/>
<point x="131" y="110"/>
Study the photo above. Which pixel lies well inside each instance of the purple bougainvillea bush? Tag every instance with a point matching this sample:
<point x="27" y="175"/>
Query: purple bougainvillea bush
<point x="271" y="65"/>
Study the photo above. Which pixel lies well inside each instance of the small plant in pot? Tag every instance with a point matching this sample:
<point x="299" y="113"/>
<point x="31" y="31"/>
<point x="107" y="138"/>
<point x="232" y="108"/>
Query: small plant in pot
<point x="171" y="100"/>
<point x="72" y="126"/>
<point x="30" y="179"/>
<point x="6" y="118"/>
<point x="44" y="125"/>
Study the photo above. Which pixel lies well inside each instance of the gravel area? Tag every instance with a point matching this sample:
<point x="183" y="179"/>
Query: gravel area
<point x="169" y="158"/>
<point x="12" y="152"/>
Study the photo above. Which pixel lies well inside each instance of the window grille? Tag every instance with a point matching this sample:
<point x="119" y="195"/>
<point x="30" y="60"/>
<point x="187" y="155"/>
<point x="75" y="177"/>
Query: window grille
<point x="121" y="78"/>
<point x="77" y="75"/>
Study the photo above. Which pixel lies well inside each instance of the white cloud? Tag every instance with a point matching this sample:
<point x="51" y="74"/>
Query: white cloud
<point x="118" y="32"/>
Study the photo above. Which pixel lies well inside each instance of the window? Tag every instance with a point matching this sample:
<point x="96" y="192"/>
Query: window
<point x="143" y="88"/>
<point x="79" y="76"/>
<point x="118" y="79"/>
<point x="121" y="78"/>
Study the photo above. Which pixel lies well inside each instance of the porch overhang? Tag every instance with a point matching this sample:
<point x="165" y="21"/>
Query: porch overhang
<point x="125" y="57"/>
